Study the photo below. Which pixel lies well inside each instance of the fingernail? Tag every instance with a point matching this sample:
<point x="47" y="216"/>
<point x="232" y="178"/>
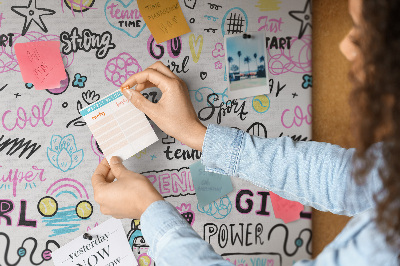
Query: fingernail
<point x="127" y="93"/>
<point x="115" y="160"/>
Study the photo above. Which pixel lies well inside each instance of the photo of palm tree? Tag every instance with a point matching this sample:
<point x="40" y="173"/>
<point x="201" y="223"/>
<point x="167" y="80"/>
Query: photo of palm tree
<point x="246" y="62"/>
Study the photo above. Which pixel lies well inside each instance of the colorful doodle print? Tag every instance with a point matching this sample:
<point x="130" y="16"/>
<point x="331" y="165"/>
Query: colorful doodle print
<point x="48" y="153"/>
<point x="63" y="154"/>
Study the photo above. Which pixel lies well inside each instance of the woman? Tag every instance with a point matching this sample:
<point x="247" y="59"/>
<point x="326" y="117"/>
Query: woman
<point x="363" y="183"/>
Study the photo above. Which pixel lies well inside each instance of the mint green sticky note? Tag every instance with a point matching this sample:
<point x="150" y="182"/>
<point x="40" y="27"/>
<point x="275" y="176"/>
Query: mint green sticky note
<point x="209" y="186"/>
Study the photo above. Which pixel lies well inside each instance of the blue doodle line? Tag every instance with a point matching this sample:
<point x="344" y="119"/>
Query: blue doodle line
<point x="69" y="192"/>
<point x="198" y="93"/>
<point x="220" y="206"/>
<point x="254" y="100"/>
<point x="62" y="218"/>
<point x="26" y="185"/>
<point x="226" y="14"/>
<point x="211" y="17"/>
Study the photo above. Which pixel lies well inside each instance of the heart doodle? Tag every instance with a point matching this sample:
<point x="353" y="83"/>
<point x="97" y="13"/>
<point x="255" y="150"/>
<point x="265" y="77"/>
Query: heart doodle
<point x="196" y="56"/>
<point x="190" y="3"/>
<point x="124" y="17"/>
<point x="203" y="75"/>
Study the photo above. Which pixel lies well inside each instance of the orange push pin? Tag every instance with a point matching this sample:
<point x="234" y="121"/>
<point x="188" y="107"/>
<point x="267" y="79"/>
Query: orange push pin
<point x="124" y="88"/>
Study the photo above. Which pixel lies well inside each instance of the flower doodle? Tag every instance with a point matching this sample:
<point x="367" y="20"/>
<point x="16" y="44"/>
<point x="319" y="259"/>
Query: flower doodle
<point x="307" y="81"/>
<point x="63" y="154"/>
<point x="218" y="65"/>
<point x="79" y="81"/>
<point x="218" y="50"/>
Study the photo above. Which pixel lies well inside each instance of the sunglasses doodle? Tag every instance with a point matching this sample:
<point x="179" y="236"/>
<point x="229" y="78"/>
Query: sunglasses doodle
<point x="67" y="218"/>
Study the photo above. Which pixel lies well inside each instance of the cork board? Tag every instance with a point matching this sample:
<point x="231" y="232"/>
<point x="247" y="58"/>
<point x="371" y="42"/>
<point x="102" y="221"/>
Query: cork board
<point x="331" y="111"/>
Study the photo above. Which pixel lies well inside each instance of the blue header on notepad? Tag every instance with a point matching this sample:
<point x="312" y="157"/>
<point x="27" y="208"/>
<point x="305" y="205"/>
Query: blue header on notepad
<point x="100" y="103"/>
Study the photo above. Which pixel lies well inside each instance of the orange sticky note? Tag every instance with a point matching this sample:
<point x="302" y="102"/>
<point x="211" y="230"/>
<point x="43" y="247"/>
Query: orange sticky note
<point x="41" y="64"/>
<point x="164" y="18"/>
<point x="284" y="209"/>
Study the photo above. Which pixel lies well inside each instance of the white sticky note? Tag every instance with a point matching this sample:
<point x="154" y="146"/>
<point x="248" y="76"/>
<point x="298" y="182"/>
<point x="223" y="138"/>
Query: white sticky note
<point x="108" y="247"/>
<point x="118" y="126"/>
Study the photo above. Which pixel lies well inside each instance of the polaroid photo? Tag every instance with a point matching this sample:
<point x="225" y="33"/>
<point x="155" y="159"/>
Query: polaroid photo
<point x="245" y="58"/>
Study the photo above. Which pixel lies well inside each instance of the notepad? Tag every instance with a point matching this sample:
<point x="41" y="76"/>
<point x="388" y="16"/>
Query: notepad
<point x="284" y="209"/>
<point x="41" y="64"/>
<point x="118" y="126"/>
<point x="209" y="186"/>
<point x="164" y="19"/>
<point x="108" y="246"/>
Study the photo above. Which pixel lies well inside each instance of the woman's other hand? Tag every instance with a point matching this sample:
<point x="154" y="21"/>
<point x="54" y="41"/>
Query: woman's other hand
<point x="174" y="113"/>
<point x="128" y="197"/>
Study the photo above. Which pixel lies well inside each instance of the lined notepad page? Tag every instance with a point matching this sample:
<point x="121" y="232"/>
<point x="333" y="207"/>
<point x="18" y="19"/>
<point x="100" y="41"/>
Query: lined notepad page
<point x="118" y="126"/>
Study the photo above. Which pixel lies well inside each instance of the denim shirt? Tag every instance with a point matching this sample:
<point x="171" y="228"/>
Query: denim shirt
<point x="312" y="173"/>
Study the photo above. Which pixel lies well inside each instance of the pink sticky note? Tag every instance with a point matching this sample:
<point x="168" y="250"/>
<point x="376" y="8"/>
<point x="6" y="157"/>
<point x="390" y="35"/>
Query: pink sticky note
<point x="284" y="209"/>
<point x="41" y="64"/>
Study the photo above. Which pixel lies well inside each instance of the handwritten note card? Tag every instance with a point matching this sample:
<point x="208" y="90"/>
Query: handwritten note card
<point x="41" y="64"/>
<point x="209" y="186"/>
<point x="118" y="126"/>
<point x="164" y="18"/>
<point x="284" y="209"/>
<point x="109" y="246"/>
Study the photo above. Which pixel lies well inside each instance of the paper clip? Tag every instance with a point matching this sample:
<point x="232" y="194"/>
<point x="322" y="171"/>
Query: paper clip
<point x="87" y="236"/>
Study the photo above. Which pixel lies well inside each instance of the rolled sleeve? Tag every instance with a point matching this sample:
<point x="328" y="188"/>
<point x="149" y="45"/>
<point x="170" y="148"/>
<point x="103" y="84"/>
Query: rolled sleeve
<point x="221" y="149"/>
<point x="158" y="219"/>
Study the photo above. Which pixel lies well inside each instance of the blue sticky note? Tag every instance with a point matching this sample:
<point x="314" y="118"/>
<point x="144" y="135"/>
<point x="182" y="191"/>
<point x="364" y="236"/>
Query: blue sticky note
<point x="209" y="186"/>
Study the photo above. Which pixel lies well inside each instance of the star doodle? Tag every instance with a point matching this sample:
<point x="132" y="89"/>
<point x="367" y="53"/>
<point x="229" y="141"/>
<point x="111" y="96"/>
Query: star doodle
<point x="31" y="13"/>
<point x="304" y="17"/>
<point x="17" y="94"/>
<point x="153" y="157"/>
<point x="294" y="94"/>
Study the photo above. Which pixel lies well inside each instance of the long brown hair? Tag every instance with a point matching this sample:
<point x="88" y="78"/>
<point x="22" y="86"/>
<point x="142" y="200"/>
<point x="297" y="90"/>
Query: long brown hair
<point x="376" y="101"/>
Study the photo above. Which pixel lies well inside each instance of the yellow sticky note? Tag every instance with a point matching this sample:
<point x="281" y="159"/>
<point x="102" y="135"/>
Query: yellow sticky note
<point x="164" y="18"/>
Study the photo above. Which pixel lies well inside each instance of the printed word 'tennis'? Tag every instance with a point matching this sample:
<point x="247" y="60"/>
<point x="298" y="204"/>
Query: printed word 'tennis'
<point x="182" y="154"/>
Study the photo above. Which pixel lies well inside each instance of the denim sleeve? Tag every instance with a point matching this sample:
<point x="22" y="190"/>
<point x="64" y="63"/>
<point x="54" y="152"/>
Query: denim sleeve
<point x="172" y="240"/>
<point x="313" y="173"/>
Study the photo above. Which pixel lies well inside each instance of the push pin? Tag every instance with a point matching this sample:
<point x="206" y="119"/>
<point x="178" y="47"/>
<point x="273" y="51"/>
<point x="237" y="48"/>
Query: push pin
<point x="246" y="36"/>
<point x="87" y="236"/>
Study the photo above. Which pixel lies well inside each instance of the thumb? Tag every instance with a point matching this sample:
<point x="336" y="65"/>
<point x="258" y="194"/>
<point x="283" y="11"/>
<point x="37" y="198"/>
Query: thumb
<point x="138" y="100"/>
<point x="117" y="167"/>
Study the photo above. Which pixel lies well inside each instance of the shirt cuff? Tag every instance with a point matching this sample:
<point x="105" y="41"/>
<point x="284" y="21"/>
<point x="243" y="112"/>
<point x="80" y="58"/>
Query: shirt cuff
<point x="222" y="147"/>
<point x="159" y="218"/>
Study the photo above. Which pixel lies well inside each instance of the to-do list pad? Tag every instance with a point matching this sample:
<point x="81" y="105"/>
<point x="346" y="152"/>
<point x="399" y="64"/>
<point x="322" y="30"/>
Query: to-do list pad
<point x="118" y="126"/>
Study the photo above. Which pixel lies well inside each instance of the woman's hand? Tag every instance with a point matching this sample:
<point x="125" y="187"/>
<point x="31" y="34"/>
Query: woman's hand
<point x="174" y="113"/>
<point x="127" y="197"/>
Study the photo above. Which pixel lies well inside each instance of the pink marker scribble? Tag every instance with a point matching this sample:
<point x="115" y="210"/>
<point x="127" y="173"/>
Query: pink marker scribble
<point x="218" y="65"/>
<point x="120" y="68"/>
<point x="297" y="117"/>
<point x="8" y="59"/>
<point x="76" y="7"/>
<point x="218" y="50"/>
<point x="64" y="183"/>
<point x="297" y="59"/>
<point x="1" y="18"/>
